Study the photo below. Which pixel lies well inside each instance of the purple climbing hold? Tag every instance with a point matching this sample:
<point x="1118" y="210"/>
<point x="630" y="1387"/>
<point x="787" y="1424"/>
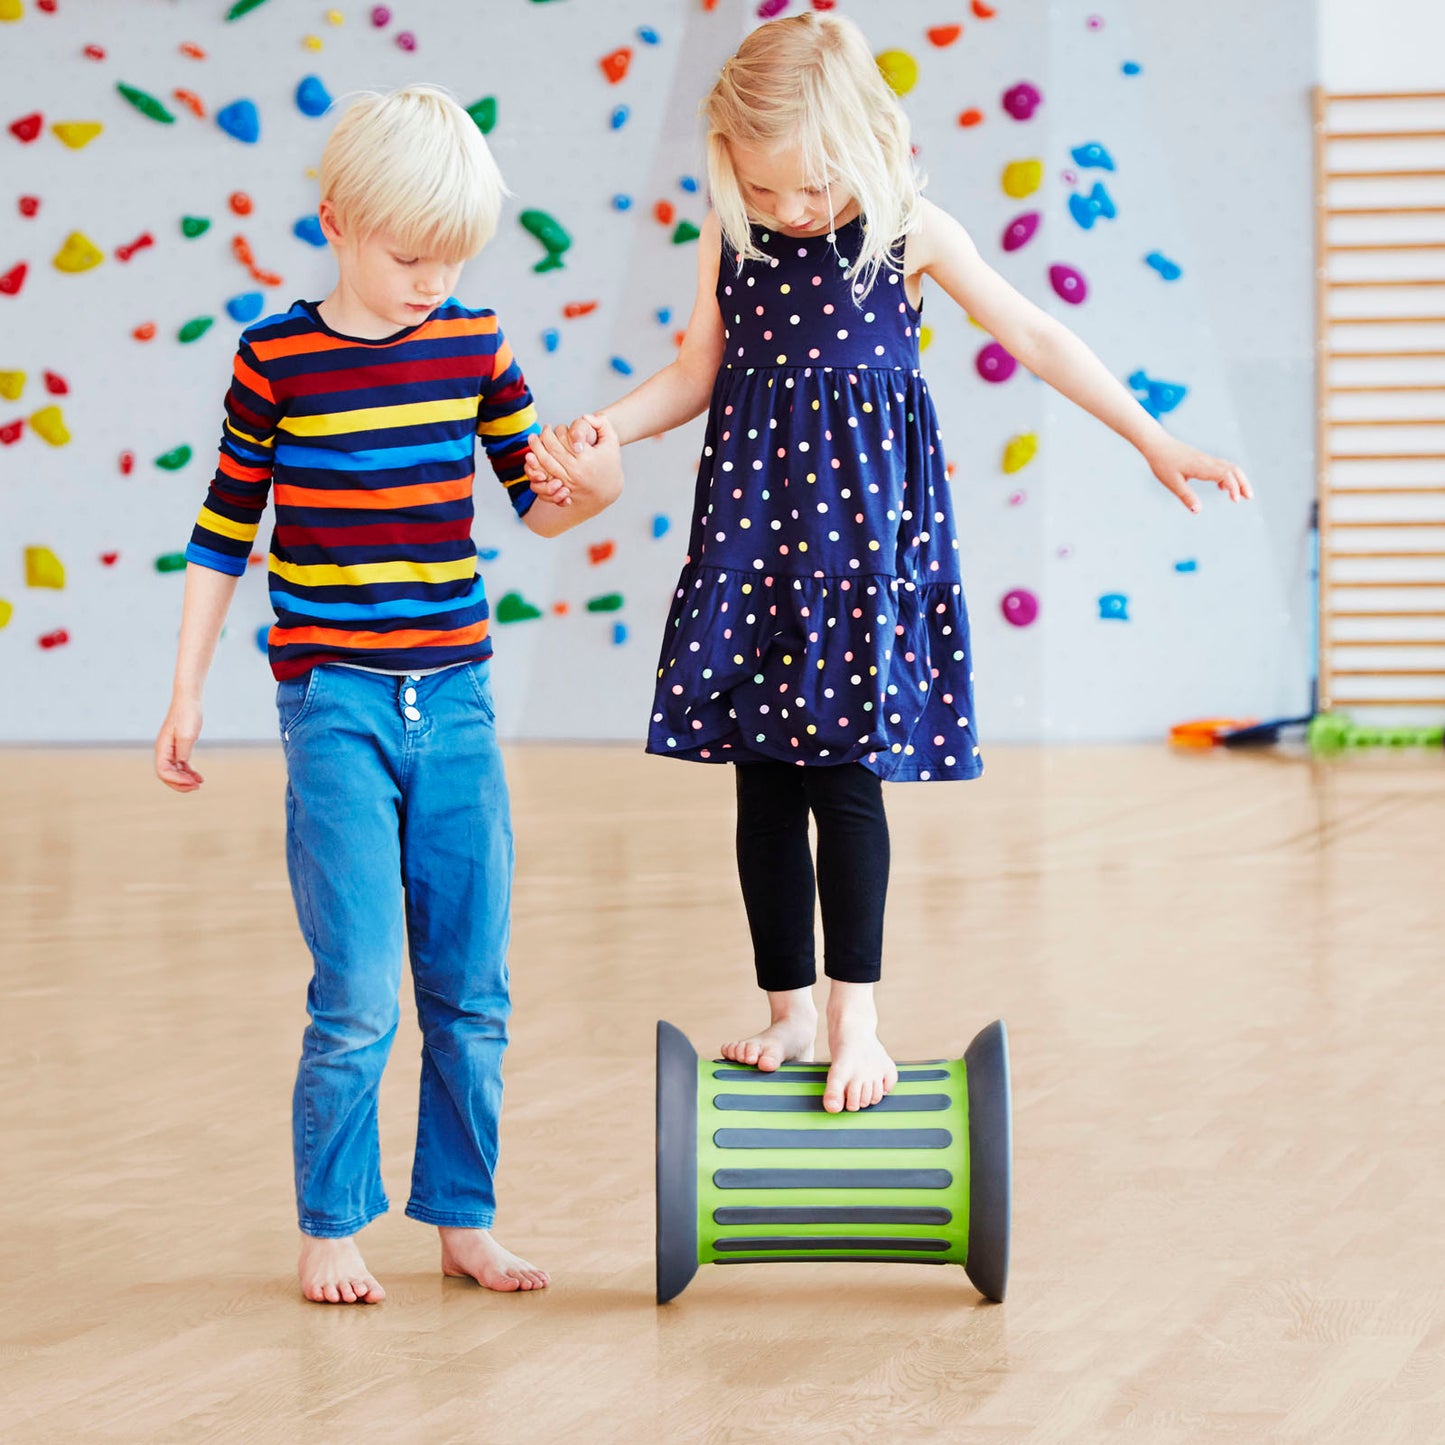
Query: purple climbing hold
<point x="1069" y="285"/>
<point x="770" y="8"/>
<point x="1021" y="230"/>
<point x="1020" y="607"/>
<point x="380" y="16"/>
<point x="994" y="364"/>
<point x="406" y="41"/>
<point x="1022" y="100"/>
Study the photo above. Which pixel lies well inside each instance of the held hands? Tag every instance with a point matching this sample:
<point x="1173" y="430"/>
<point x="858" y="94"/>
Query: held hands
<point x="177" y="737"/>
<point x="584" y="459"/>
<point x="1174" y="463"/>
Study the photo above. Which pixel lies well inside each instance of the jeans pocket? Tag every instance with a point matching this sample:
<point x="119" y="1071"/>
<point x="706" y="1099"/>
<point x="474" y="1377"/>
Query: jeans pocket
<point x="480" y="677"/>
<point x="295" y="698"/>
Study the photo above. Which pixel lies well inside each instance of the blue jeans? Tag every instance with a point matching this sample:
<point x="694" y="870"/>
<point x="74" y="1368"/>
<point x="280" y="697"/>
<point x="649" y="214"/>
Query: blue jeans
<point x="397" y="817"/>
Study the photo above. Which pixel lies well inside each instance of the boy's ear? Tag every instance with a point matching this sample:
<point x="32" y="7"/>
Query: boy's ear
<point x="326" y="214"/>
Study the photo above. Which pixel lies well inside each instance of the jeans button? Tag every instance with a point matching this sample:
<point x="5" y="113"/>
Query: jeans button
<point x="409" y="695"/>
<point x="412" y="715"/>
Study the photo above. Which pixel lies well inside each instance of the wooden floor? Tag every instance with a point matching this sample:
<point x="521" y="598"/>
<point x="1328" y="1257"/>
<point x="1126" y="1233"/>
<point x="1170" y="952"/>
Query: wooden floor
<point x="1223" y="977"/>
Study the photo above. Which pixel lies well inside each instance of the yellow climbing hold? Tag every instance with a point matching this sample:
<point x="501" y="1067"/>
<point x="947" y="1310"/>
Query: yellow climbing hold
<point x="77" y="133"/>
<point x="43" y="568"/>
<point x="6" y="612"/>
<point x="1020" y="451"/>
<point x="899" y="69"/>
<point x="12" y="383"/>
<point x="51" y="425"/>
<point x="334" y="17"/>
<point x="925" y="337"/>
<point x="1022" y="178"/>
<point x="79" y="253"/>
<point x="312" y="42"/>
<point x="11" y="9"/>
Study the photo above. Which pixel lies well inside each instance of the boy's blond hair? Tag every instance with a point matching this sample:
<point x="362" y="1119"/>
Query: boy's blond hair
<point x="811" y="82"/>
<point x="415" y="165"/>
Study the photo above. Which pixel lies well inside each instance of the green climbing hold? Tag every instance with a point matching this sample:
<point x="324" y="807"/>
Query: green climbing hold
<point x="195" y="328"/>
<point x="241" y="7"/>
<point x="171" y="562"/>
<point x="608" y="602"/>
<point x="548" y="230"/>
<point x="175" y="459"/>
<point x="484" y="112"/>
<point x="515" y="608"/>
<point x="146" y="103"/>
<point x="193" y="226"/>
<point x="685" y="232"/>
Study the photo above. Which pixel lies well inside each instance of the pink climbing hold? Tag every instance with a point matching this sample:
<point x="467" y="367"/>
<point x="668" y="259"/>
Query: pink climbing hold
<point x="1020" y="607"/>
<point x="1021" y="230"/>
<point x="380" y="16"/>
<point x="406" y="41"/>
<point x="995" y="364"/>
<point x="1069" y="285"/>
<point x="1022" y="100"/>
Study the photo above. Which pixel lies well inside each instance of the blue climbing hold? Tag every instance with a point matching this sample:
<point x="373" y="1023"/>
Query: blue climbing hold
<point x="647" y="35"/>
<point x="241" y="120"/>
<point x="689" y="184"/>
<point x="619" y="117"/>
<point x="312" y="98"/>
<point x="1114" y="607"/>
<point x="263" y="633"/>
<point x="488" y="554"/>
<point x="1131" y="67"/>
<point x="664" y="315"/>
<point x="621" y="202"/>
<point x="308" y="229"/>
<point x="1187" y="566"/>
<point x="1158" y="396"/>
<point x="619" y="633"/>
<point x="245" y="307"/>
<point x="620" y="366"/>
<point x="1088" y="209"/>
<point x="1092" y="157"/>
<point x="1168" y="269"/>
<point x="551" y="338"/>
<point x="660" y="526"/>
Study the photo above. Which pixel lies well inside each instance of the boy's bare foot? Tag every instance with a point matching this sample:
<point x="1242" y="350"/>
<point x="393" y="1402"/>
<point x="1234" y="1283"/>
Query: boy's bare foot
<point x="861" y="1072"/>
<point x="474" y="1254"/>
<point x="332" y="1271"/>
<point x="789" y="1036"/>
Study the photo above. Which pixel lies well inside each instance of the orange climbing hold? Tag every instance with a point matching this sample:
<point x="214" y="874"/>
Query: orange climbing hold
<point x="970" y="117"/>
<point x="614" y="66"/>
<point x="599" y="552"/>
<point x="664" y="212"/>
<point x="242" y="205"/>
<point x="191" y="101"/>
<point x="578" y="308"/>
<point x="193" y="51"/>
<point x="941" y="35"/>
<point x="145" y="331"/>
<point x="984" y="12"/>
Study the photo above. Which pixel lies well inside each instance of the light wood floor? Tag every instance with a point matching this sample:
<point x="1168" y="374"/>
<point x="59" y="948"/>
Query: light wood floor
<point x="1223" y="977"/>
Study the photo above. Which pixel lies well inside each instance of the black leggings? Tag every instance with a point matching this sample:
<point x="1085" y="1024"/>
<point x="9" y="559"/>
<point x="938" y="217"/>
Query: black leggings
<point x="775" y="866"/>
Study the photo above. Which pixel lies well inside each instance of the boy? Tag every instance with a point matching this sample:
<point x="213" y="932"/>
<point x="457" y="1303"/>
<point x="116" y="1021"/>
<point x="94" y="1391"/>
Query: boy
<point x="359" y="414"/>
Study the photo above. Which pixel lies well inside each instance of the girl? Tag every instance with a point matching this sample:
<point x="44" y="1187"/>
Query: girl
<point x="818" y="637"/>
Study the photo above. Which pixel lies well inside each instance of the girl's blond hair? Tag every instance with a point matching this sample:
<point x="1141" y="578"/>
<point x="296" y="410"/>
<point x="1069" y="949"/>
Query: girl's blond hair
<point x="415" y="165"/>
<point x="811" y="82"/>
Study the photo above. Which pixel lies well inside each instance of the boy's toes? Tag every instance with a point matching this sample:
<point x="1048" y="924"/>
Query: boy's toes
<point x="348" y="1295"/>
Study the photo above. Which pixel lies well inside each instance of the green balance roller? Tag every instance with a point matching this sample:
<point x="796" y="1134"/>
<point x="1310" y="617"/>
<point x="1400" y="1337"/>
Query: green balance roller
<point x="751" y="1170"/>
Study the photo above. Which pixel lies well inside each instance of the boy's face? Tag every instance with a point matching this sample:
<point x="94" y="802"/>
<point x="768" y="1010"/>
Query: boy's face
<point x="395" y="287"/>
<point x="777" y="190"/>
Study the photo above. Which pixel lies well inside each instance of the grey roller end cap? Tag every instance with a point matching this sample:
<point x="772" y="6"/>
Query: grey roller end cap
<point x="990" y="1160"/>
<point x="676" y="1162"/>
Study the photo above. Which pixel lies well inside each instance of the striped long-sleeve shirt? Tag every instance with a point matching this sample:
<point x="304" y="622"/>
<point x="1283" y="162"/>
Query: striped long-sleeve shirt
<point x="368" y="450"/>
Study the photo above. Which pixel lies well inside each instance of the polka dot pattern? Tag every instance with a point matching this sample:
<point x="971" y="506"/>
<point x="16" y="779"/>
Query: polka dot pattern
<point x="820" y="615"/>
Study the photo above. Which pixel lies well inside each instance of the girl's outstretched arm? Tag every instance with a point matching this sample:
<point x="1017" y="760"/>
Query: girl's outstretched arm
<point x="680" y="391"/>
<point x="942" y="249"/>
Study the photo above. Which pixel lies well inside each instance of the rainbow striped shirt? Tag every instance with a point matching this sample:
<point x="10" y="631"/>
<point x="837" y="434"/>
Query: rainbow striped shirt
<point x="368" y="449"/>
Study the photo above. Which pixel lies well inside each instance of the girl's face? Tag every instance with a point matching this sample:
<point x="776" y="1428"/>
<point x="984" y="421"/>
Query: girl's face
<point x="777" y="191"/>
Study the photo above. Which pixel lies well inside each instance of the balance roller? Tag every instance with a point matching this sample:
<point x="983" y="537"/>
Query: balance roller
<point x="751" y="1170"/>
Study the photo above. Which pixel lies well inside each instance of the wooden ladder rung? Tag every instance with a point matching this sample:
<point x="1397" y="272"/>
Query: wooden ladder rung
<point x="1386" y="491"/>
<point x="1390" y="421"/>
<point x="1424" y="173"/>
<point x="1387" y="642"/>
<point x="1359" y="246"/>
<point x="1383" y="585"/>
<point x="1431" y="555"/>
<point x="1387" y="456"/>
<point x="1387" y="702"/>
<point x="1385" y="320"/>
<point x="1406" y="355"/>
<point x="1384" y="135"/>
<point x="1383" y="283"/>
<point x="1388" y="671"/>
<point x="1398" y="389"/>
<point x="1393" y="613"/>
<point x="1338" y="522"/>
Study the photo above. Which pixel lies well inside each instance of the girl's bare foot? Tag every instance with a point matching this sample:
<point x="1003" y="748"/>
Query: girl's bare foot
<point x="861" y="1071"/>
<point x="333" y="1272"/>
<point x="474" y="1254"/>
<point x="790" y="1035"/>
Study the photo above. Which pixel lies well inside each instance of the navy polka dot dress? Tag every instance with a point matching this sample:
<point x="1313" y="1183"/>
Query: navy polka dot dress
<point x="820" y="617"/>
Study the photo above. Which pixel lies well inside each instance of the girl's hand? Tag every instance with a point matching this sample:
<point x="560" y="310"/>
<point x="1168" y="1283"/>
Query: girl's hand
<point x="544" y="476"/>
<point x="177" y="737"/>
<point x="592" y="471"/>
<point x="1174" y="463"/>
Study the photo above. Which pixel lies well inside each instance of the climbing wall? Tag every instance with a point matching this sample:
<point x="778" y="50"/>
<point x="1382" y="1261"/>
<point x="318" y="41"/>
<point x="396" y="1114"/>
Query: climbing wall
<point x="1143" y="175"/>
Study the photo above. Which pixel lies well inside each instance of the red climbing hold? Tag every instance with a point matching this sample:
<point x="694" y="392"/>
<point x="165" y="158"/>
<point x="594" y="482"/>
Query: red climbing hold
<point x="664" y="212"/>
<point x="614" y="66"/>
<point x="127" y="463"/>
<point x="241" y="204"/>
<point x="984" y="12"/>
<point x="13" y="280"/>
<point x="27" y="127"/>
<point x="58" y="638"/>
<point x="10" y="432"/>
<point x="29" y="205"/>
<point x="93" y="52"/>
<point x="942" y="35"/>
<point x="109" y="559"/>
<point x="146" y="331"/>
<point x="56" y="385"/>
<point x="578" y="308"/>
<point x="48" y="6"/>
<point x="600" y="552"/>
<point x="124" y="253"/>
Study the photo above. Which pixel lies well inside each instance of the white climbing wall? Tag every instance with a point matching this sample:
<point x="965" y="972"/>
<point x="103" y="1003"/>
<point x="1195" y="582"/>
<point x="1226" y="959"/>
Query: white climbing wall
<point x="1210" y="143"/>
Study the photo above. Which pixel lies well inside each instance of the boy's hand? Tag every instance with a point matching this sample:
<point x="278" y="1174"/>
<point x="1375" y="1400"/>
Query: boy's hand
<point x="551" y="485"/>
<point x="177" y="737"/>
<point x="1174" y="463"/>
<point x="591" y="471"/>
